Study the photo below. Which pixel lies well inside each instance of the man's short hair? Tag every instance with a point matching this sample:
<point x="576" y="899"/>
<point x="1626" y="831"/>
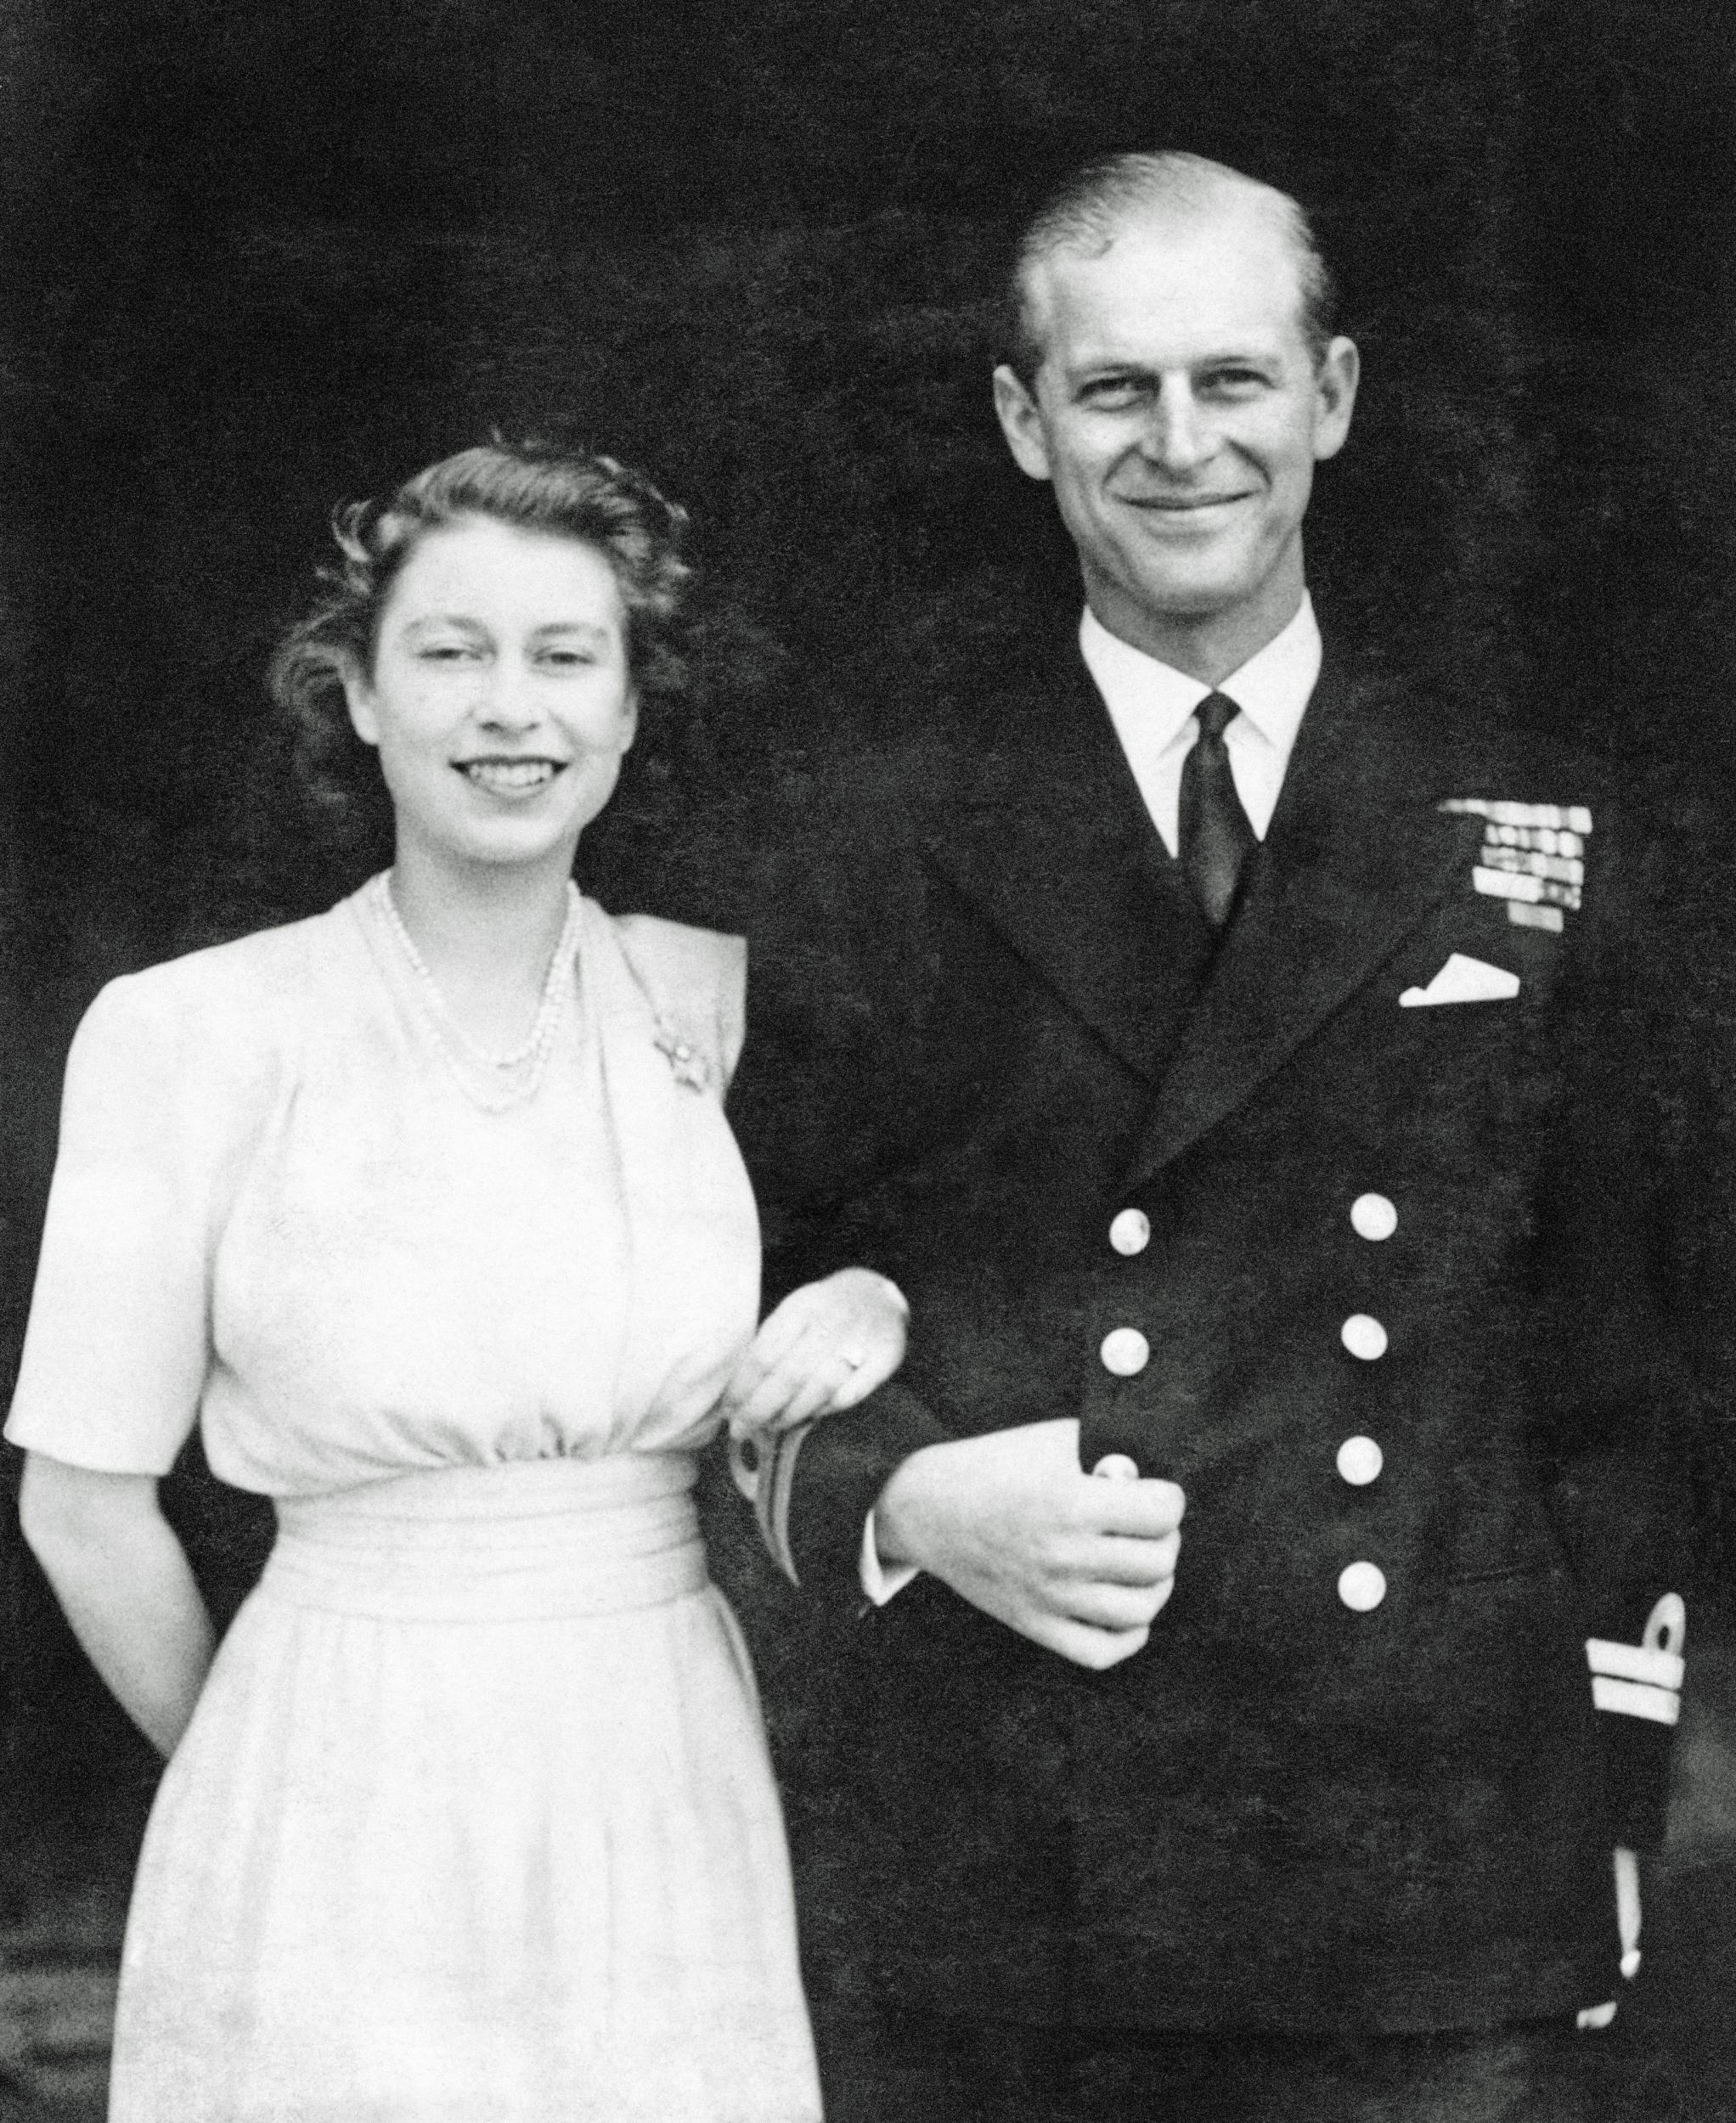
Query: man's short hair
<point x="1090" y="208"/>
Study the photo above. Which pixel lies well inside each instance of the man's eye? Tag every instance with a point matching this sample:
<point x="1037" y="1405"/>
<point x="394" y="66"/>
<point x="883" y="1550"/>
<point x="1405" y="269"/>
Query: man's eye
<point x="1112" y="394"/>
<point x="1234" y="382"/>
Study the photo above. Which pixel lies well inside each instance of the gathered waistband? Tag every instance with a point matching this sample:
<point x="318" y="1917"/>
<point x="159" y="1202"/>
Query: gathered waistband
<point x="517" y="1542"/>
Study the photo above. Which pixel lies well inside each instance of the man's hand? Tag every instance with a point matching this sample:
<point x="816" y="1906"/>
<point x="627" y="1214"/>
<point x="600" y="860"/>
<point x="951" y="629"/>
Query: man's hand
<point x="1078" y="1564"/>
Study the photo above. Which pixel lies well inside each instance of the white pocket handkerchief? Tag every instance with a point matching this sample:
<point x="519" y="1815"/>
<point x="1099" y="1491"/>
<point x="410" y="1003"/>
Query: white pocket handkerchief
<point x="1463" y="980"/>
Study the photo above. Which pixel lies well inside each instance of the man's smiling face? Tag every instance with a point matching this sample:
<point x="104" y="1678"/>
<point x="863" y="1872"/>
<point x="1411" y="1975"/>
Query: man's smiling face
<point x="1180" y="412"/>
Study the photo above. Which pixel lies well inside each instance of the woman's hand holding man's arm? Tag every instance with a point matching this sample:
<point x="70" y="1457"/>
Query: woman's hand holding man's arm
<point x="827" y="1346"/>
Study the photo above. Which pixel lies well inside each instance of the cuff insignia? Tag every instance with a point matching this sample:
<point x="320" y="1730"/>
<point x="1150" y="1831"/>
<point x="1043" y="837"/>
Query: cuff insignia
<point x="1642" y="1680"/>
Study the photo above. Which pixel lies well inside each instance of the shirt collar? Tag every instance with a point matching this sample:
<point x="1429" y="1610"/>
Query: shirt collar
<point x="1271" y="689"/>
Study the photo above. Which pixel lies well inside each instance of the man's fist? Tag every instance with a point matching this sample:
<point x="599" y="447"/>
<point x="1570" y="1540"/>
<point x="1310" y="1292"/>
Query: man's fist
<point x="1080" y="1565"/>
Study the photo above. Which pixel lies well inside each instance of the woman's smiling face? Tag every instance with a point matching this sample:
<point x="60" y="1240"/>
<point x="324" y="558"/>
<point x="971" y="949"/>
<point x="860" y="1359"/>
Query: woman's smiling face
<point x="500" y="699"/>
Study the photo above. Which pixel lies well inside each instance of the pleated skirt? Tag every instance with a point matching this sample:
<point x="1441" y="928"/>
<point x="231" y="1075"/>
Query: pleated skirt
<point x="475" y="1823"/>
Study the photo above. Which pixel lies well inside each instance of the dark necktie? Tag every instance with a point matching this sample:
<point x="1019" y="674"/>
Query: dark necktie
<point x="1216" y="838"/>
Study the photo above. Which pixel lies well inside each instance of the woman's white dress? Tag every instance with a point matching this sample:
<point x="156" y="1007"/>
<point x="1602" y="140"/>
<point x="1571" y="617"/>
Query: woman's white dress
<point x="474" y="1822"/>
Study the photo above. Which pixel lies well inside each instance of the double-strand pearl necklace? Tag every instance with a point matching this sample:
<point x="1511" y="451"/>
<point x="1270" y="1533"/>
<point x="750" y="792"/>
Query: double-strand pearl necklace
<point x="508" y="1079"/>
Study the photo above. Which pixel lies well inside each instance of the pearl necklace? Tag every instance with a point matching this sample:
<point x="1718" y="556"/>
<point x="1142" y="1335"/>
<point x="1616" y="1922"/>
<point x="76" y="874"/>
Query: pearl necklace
<point x="528" y="1062"/>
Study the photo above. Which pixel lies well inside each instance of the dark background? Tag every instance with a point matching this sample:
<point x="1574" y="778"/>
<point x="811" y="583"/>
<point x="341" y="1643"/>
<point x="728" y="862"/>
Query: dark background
<point x="260" y="258"/>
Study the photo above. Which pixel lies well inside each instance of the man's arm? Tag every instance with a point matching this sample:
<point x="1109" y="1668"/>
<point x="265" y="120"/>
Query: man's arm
<point x="1610" y="1373"/>
<point x="1008" y="1520"/>
<point x="846" y="1083"/>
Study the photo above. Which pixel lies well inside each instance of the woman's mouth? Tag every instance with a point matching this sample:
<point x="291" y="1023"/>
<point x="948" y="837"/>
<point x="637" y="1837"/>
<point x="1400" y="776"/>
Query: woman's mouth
<point x="510" y="777"/>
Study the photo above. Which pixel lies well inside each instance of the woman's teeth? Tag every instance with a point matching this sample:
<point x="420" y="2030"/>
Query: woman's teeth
<point x="509" y="776"/>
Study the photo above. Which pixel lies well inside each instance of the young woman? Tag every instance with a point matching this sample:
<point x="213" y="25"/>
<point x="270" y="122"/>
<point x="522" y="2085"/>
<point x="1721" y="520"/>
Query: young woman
<point x="427" y="1210"/>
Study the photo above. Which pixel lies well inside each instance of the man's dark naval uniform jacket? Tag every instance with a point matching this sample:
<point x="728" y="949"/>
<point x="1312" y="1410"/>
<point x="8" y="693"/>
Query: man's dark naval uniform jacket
<point x="1006" y="1026"/>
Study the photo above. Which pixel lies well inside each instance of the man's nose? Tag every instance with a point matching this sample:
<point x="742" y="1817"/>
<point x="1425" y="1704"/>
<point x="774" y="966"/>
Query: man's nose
<point x="1176" y="434"/>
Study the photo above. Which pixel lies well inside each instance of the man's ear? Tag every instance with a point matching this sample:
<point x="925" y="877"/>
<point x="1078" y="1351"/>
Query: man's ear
<point x="1021" y="423"/>
<point x="358" y="697"/>
<point x="1335" y="396"/>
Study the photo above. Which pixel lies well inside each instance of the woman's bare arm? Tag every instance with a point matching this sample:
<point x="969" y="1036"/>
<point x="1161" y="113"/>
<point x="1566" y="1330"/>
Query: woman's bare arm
<point x="124" y="1581"/>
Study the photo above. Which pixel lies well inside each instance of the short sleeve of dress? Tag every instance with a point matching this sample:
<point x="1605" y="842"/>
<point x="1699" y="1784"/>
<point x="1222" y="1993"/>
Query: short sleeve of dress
<point x="697" y="982"/>
<point x="118" y="1344"/>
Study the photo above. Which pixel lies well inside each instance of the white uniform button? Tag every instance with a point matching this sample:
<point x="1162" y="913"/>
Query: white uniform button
<point x="1373" y="1216"/>
<point x="1364" y="1336"/>
<point x="1132" y="1232"/>
<point x="1360" y="1460"/>
<point x="1362" y="1586"/>
<point x="1125" y="1352"/>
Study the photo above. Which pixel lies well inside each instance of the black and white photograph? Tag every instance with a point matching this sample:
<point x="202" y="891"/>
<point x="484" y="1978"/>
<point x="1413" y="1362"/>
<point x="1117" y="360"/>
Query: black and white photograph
<point x="868" y="1062"/>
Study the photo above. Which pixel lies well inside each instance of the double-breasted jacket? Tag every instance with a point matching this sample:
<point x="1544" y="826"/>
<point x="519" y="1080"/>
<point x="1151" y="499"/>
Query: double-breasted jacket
<point x="1349" y="1224"/>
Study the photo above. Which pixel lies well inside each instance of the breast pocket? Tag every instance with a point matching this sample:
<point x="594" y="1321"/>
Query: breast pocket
<point x="1470" y="957"/>
<point x="1462" y="1087"/>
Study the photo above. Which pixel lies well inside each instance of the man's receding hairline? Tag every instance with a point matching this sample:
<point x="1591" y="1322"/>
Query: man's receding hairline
<point x="1194" y="192"/>
<point x="1036" y="299"/>
<point x="1123" y="195"/>
<point x="1157" y="216"/>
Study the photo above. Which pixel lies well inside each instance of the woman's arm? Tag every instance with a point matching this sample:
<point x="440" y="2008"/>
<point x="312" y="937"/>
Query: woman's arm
<point x="124" y="1581"/>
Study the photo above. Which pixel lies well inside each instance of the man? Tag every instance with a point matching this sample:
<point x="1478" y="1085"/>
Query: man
<point x="1233" y="1061"/>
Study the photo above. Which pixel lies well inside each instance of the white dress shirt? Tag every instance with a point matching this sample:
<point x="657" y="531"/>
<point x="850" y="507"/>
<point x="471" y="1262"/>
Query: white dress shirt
<point x="1152" y="707"/>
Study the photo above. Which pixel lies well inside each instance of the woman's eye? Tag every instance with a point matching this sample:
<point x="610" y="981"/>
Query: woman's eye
<point x="445" y="652"/>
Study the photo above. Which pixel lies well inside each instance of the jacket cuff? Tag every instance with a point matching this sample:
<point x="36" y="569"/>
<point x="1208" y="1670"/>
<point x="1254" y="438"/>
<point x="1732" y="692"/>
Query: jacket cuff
<point x="1637" y="1690"/>
<point x="1636" y="1781"/>
<point x="836" y="1476"/>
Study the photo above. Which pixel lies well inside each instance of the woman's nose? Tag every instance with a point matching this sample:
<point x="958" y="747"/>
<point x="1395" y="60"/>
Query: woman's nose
<point x="508" y="699"/>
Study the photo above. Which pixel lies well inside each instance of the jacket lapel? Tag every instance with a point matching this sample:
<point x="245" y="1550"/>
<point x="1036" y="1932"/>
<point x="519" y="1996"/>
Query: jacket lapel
<point x="1054" y="845"/>
<point x="1357" y="855"/>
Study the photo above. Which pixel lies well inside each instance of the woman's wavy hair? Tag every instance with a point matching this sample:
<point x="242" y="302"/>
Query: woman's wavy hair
<point x="564" y="492"/>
